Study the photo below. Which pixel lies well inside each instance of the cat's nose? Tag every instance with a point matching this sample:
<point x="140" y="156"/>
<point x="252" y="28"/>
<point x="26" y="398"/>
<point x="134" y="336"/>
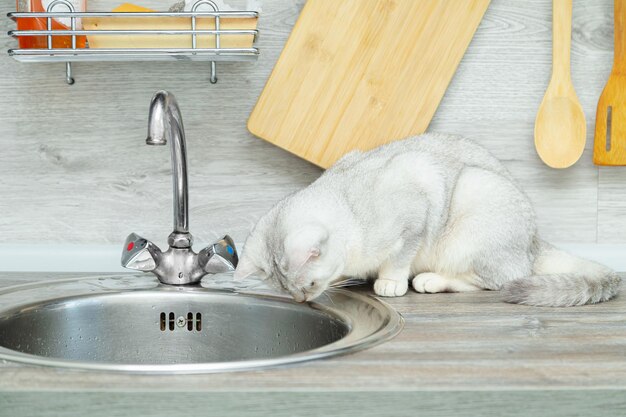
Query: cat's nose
<point x="299" y="295"/>
<point x="310" y="293"/>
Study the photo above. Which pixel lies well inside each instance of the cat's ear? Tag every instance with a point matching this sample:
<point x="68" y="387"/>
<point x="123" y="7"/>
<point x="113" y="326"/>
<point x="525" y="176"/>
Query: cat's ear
<point x="303" y="246"/>
<point x="245" y="268"/>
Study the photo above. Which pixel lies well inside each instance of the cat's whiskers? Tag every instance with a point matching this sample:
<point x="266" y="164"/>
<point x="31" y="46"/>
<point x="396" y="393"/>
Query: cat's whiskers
<point x="348" y="282"/>
<point x="326" y="293"/>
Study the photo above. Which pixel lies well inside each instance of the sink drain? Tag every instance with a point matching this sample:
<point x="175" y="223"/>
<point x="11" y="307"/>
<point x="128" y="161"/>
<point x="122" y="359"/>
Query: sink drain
<point x="170" y="321"/>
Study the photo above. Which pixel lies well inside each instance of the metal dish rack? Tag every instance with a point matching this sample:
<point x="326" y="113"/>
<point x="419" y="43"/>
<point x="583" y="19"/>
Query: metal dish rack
<point x="74" y="54"/>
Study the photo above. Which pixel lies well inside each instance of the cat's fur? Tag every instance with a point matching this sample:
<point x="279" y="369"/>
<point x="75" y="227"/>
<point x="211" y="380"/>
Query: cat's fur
<point x="438" y="210"/>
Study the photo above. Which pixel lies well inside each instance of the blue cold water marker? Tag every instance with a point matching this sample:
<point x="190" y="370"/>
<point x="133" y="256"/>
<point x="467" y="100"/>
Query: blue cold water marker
<point x="230" y="249"/>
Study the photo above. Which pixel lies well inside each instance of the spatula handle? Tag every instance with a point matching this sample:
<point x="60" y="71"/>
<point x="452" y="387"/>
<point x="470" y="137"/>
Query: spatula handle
<point x="619" y="56"/>
<point x="561" y="38"/>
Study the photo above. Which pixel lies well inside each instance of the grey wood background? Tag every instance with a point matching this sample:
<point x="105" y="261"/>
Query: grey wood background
<point x="74" y="167"/>
<point x="465" y="354"/>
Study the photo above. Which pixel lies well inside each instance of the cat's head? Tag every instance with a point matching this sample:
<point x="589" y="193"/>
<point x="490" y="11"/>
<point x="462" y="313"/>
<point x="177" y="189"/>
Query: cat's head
<point x="302" y="258"/>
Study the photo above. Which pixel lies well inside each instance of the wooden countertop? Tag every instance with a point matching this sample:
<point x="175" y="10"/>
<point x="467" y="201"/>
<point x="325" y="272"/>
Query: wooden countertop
<point x="450" y="342"/>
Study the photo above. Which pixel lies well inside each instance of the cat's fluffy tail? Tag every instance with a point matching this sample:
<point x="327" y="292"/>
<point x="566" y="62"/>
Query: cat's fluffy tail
<point x="561" y="280"/>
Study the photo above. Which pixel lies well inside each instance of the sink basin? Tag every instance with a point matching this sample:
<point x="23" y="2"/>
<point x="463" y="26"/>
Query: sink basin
<point x="135" y="324"/>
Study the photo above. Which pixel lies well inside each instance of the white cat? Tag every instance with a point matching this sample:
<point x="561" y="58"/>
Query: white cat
<point x="438" y="210"/>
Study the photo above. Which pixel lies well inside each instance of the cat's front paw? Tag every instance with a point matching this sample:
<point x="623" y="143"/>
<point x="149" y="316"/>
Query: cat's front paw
<point x="390" y="287"/>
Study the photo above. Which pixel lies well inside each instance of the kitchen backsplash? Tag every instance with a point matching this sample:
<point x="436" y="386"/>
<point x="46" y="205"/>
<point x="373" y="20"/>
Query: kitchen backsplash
<point x="74" y="167"/>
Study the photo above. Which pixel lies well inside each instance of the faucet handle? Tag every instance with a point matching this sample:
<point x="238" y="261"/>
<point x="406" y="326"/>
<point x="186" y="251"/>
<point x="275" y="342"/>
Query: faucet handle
<point x="140" y="254"/>
<point x="219" y="257"/>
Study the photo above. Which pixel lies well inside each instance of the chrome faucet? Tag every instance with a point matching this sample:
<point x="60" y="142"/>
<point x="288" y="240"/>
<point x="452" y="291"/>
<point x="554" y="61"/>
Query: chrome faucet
<point x="179" y="264"/>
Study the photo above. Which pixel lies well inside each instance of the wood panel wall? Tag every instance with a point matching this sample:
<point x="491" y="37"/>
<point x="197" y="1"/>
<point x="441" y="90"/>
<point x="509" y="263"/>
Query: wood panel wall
<point x="74" y="167"/>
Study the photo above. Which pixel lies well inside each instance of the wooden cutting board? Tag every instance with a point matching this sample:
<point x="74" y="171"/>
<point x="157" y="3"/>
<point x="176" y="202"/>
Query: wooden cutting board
<point x="355" y="74"/>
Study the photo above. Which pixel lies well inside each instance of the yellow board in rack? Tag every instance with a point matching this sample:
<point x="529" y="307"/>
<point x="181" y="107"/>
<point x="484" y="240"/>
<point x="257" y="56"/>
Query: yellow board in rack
<point x="128" y="7"/>
<point x="164" y="23"/>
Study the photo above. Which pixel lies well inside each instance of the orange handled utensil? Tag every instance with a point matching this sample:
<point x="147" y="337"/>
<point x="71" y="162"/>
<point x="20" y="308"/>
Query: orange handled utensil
<point x="609" y="147"/>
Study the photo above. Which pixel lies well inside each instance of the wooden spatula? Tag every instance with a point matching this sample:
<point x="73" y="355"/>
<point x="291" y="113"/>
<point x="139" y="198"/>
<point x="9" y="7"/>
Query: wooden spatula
<point x="609" y="146"/>
<point x="560" y="129"/>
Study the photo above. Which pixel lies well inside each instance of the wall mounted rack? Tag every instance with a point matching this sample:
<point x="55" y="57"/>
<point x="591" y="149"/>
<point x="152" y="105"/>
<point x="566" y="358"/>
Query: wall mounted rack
<point x="223" y="41"/>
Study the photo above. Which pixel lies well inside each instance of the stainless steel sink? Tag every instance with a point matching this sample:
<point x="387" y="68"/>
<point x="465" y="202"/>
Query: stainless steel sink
<point x="136" y="324"/>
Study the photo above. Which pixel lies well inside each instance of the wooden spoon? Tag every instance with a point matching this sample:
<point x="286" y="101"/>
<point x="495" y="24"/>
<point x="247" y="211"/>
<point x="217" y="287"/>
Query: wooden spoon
<point x="560" y="129"/>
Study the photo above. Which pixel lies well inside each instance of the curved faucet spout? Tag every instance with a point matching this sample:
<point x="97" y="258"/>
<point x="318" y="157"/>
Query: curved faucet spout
<point x="179" y="264"/>
<point x="165" y="122"/>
